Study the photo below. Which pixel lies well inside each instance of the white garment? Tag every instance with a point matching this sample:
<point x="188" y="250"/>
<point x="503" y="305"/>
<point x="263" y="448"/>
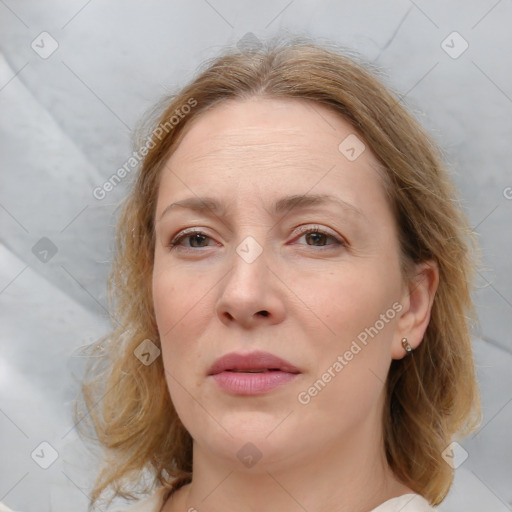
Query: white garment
<point x="405" y="503"/>
<point x="5" y="508"/>
<point x="155" y="502"/>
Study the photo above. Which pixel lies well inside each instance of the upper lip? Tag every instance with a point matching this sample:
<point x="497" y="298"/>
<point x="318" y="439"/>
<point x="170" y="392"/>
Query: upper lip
<point x="252" y="361"/>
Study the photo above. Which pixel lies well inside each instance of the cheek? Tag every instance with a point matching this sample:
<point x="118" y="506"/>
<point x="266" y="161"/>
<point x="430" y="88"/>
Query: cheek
<point x="170" y="305"/>
<point x="180" y="307"/>
<point x="359" y="306"/>
<point x="346" y="401"/>
<point x="175" y="297"/>
<point x="352" y="364"/>
<point x="348" y="300"/>
<point x="178" y="310"/>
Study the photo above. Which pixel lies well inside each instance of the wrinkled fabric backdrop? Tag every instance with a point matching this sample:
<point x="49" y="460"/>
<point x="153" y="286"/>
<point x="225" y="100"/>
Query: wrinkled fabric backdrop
<point x="75" y="79"/>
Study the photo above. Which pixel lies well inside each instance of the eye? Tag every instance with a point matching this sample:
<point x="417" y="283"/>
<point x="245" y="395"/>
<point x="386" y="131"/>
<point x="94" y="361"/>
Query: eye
<point x="196" y="239"/>
<point x="316" y="237"/>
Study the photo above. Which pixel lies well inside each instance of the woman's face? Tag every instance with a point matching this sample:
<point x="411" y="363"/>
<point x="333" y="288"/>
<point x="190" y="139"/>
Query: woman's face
<point x="254" y="279"/>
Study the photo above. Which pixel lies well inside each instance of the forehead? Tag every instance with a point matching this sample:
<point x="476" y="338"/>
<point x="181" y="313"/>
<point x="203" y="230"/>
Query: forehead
<point x="267" y="145"/>
<point x="288" y="126"/>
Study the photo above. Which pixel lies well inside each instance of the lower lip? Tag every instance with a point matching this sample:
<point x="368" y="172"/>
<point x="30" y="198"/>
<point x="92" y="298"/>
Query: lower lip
<point x="240" y="383"/>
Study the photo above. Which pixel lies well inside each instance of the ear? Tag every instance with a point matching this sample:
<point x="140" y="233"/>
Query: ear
<point x="417" y="299"/>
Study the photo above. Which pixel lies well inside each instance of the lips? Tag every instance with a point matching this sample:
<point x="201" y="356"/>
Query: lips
<point x="254" y="362"/>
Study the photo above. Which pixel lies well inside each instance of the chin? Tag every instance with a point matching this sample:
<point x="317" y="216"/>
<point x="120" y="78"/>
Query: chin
<point x="252" y="448"/>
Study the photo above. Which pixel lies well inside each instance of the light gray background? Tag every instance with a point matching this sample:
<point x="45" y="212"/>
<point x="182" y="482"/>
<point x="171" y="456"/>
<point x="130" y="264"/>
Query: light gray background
<point x="65" y="128"/>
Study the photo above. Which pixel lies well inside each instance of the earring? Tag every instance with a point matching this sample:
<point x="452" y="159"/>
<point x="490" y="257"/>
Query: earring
<point x="407" y="347"/>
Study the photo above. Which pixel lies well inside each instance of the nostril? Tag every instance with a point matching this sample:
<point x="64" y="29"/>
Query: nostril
<point x="263" y="313"/>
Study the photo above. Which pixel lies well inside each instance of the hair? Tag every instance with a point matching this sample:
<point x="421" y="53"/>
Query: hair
<point x="431" y="396"/>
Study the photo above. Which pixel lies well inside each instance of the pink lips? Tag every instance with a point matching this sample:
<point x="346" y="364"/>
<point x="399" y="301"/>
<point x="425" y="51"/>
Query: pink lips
<point x="252" y="374"/>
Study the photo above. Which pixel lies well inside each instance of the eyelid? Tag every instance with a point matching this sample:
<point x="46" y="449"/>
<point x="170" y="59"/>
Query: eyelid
<point x="305" y="228"/>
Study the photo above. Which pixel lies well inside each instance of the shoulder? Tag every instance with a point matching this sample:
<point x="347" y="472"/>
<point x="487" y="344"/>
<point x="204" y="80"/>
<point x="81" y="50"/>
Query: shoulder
<point x="406" y="503"/>
<point x="153" y="503"/>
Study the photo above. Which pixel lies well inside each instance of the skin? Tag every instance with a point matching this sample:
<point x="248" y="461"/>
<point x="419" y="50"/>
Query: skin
<point x="318" y="295"/>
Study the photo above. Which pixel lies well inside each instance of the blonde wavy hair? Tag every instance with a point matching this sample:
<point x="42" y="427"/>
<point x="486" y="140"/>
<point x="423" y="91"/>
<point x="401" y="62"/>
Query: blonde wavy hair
<point x="432" y="396"/>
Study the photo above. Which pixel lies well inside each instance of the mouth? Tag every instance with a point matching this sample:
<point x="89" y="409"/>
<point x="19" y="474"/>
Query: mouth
<point x="255" y="373"/>
<point x="253" y="362"/>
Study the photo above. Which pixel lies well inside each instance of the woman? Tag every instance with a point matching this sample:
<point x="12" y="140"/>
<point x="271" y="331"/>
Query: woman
<point x="291" y="288"/>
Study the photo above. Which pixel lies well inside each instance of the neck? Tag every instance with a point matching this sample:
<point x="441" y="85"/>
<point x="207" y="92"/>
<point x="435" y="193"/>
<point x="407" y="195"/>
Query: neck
<point x="350" y="476"/>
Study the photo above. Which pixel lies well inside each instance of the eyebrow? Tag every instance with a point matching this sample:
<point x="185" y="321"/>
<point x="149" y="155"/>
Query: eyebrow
<point x="210" y="205"/>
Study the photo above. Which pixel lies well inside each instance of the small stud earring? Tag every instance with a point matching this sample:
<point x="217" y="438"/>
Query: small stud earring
<point x="407" y="347"/>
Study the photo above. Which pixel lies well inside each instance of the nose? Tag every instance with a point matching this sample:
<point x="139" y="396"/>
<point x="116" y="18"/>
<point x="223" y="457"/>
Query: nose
<point x="251" y="293"/>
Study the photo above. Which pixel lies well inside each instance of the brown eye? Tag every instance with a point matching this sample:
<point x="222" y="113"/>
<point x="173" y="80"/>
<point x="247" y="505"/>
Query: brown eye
<point x="318" y="238"/>
<point x="196" y="239"/>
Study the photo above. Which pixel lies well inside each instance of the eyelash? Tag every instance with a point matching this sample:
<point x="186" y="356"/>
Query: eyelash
<point x="185" y="234"/>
